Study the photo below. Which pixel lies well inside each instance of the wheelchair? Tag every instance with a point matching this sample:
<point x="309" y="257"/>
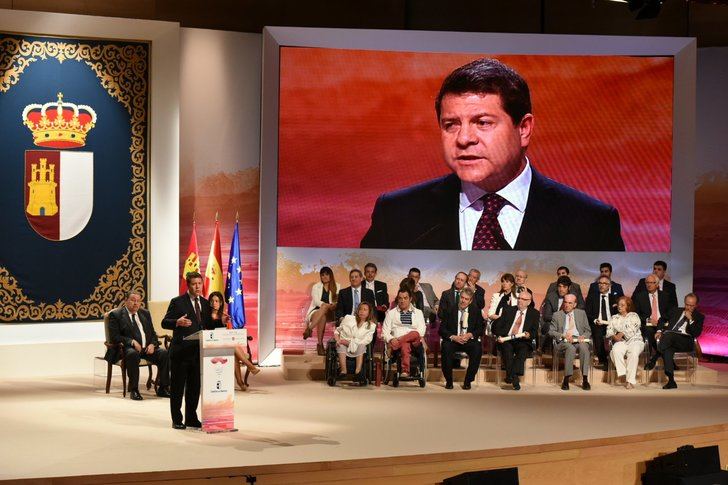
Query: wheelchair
<point x="418" y="366"/>
<point x="333" y="367"/>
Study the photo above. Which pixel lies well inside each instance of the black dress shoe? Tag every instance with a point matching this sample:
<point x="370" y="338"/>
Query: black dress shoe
<point x="650" y="365"/>
<point x="163" y="392"/>
<point x="509" y="380"/>
<point x="565" y="384"/>
<point x="135" y="396"/>
<point x="585" y="385"/>
<point x="671" y="384"/>
<point x="516" y="384"/>
<point x="178" y="426"/>
<point x="448" y="385"/>
<point x="466" y="386"/>
<point x="193" y="423"/>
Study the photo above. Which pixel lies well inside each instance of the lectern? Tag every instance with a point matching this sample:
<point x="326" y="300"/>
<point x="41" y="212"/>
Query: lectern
<point x="217" y="376"/>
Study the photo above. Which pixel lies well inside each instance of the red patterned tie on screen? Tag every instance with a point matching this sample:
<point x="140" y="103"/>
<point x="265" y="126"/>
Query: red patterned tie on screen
<point x="488" y="232"/>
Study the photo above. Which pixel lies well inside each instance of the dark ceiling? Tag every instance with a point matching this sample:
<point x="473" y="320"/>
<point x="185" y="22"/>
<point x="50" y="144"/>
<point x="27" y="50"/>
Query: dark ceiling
<point x="707" y="20"/>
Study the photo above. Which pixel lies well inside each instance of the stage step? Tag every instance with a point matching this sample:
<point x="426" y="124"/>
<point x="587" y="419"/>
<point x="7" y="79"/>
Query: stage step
<point x="310" y="366"/>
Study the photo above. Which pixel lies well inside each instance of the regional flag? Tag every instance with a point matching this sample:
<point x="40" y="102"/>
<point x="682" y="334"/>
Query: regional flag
<point x="192" y="262"/>
<point x="213" y="272"/>
<point x="234" y="286"/>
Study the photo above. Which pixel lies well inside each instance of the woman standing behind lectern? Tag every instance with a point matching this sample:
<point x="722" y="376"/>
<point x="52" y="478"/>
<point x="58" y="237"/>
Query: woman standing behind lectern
<point x="186" y="314"/>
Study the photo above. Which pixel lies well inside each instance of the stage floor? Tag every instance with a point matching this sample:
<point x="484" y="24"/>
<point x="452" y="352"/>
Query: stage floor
<point x="66" y="427"/>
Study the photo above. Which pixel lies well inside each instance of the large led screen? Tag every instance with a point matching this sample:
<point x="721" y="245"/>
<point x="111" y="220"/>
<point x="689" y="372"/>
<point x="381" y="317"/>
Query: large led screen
<point x="364" y="160"/>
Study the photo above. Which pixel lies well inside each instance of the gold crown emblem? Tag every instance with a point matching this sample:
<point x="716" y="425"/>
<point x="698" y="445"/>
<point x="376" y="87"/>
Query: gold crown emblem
<point x="59" y="124"/>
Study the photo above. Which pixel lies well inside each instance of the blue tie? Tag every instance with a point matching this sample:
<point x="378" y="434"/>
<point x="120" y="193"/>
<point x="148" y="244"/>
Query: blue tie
<point x="356" y="301"/>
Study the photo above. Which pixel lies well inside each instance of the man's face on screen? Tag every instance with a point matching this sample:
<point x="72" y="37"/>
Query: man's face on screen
<point x="479" y="140"/>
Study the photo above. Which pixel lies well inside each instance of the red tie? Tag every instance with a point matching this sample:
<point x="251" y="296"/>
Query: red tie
<point x="488" y="232"/>
<point x="517" y="325"/>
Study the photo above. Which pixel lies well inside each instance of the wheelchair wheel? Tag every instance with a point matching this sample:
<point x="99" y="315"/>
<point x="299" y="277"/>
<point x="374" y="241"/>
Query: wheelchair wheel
<point x="331" y="381"/>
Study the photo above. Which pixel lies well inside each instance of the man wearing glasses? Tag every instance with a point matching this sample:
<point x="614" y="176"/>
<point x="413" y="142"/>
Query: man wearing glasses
<point x="599" y="309"/>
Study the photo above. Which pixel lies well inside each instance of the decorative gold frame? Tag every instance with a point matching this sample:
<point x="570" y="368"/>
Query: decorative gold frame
<point x="122" y="70"/>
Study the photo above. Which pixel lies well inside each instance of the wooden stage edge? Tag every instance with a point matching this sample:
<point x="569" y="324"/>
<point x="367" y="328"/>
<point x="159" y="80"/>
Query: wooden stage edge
<point x="615" y="460"/>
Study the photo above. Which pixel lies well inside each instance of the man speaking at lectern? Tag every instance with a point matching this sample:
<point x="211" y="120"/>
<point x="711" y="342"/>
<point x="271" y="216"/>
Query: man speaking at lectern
<point x="494" y="198"/>
<point x="186" y="314"/>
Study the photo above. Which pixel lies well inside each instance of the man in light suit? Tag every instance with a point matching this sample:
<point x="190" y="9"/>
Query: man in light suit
<point x="461" y="328"/>
<point x="381" y="296"/>
<point x="186" y="314"/>
<point x="677" y="334"/>
<point x="522" y="318"/>
<point x="495" y="198"/>
<point x="431" y="303"/>
<point x="659" y="269"/>
<point x="132" y="326"/>
<point x="350" y="297"/>
<point x="569" y="329"/>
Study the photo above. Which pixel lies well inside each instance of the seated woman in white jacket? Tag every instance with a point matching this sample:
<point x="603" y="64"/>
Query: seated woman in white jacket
<point x="322" y="307"/>
<point x="352" y="337"/>
<point x="504" y="298"/>
<point x="624" y="330"/>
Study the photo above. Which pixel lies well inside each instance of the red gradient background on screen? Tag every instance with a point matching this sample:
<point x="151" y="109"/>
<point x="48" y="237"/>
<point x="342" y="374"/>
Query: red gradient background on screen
<point x="354" y="124"/>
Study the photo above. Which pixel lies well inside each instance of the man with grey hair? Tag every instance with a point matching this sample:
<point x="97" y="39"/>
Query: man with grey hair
<point x="479" y="291"/>
<point x="570" y="331"/>
<point x="653" y="306"/>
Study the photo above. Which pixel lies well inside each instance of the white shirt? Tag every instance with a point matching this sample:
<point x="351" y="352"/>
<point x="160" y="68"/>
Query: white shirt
<point x="369" y="286"/>
<point x="139" y="326"/>
<point x="394" y="328"/>
<point x="511" y="215"/>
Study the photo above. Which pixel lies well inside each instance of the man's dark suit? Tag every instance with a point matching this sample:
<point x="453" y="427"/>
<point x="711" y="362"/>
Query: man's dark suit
<point x="123" y="330"/>
<point x="667" y="286"/>
<point x="448" y="302"/>
<point x="616" y="289"/>
<point x="671" y="342"/>
<point x="449" y="326"/>
<point x="574" y="289"/>
<point x="593" y="308"/>
<point x="345" y="300"/>
<point x="425" y="216"/>
<point x="184" y="355"/>
<point x="643" y="308"/>
<point x="515" y="351"/>
<point x="381" y="297"/>
<point x="479" y="296"/>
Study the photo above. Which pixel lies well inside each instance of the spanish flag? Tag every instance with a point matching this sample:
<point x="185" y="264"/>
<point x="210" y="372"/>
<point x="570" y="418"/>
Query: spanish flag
<point x="192" y="262"/>
<point x="214" y="279"/>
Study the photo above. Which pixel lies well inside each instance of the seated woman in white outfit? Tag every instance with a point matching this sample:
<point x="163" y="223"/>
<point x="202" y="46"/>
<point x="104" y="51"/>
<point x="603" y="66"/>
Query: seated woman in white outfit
<point x="624" y="330"/>
<point x="505" y="297"/>
<point x="352" y="337"/>
<point x="322" y="307"/>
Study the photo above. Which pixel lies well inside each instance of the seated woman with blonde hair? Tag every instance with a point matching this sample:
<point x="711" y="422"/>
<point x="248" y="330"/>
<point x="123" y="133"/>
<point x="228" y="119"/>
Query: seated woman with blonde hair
<point x="352" y="337"/>
<point x="221" y="319"/>
<point x="323" y="304"/>
<point x="624" y="330"/>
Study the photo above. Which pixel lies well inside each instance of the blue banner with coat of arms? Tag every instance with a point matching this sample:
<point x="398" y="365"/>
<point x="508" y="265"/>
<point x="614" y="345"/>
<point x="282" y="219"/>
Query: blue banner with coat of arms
<point x="74" y="117"/>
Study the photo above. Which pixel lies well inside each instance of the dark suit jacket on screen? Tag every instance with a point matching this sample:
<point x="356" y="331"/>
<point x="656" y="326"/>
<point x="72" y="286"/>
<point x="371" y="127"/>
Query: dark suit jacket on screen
<point x="425" y="216"/>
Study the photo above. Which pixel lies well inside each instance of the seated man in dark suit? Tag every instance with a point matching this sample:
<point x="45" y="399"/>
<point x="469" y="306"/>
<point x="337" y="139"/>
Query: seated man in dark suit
<point x="517" y="327"/>
<point x="552" y="303"/>
<point x="521" y="276"/>
<point x="472" y="283"/>
<point x="653" y="307"/>
<point x="659" y="269"/>
<point x="132" y="326"/>
<point x="574" y="287"/>
<point x="677" y="334"/>
<point x="186" y="314"/>
<point x="430" y="303"/>
<point x="461" y="327"/>
<point x="349" y="298"/>
<point x="599" y="309"/>
<point x="381" y="296"/>
<point x="495" y="198"/>
<point x="605" y="269"/>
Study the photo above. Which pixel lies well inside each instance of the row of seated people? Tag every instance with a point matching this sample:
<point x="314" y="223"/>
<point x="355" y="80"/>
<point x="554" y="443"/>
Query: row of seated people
<point x="564" y="316"/>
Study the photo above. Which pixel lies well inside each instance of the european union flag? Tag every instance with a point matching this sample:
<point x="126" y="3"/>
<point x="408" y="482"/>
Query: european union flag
<point x="234" y="285"/>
